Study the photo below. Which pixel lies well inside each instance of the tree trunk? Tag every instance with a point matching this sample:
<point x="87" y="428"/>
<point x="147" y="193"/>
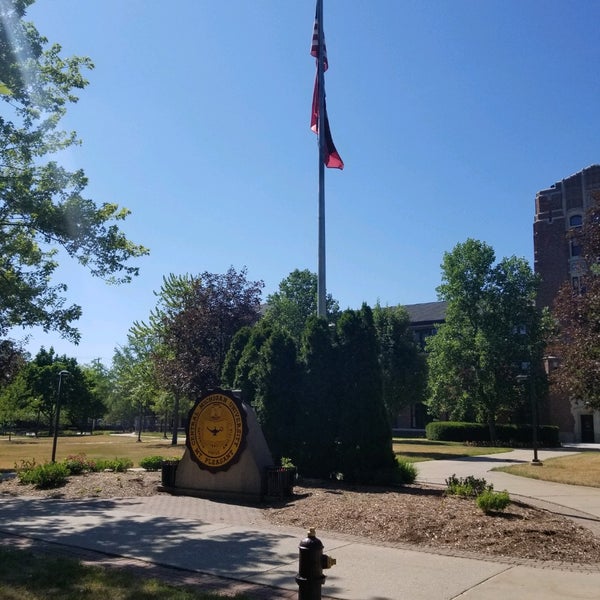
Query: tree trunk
<point x="175" y="420"/>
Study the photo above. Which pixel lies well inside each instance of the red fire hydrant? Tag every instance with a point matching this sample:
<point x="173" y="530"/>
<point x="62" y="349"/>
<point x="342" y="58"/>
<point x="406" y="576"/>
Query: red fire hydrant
<point x="312" y="561"/>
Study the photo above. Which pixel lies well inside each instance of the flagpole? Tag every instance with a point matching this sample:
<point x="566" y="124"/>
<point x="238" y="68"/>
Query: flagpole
<point x="321" y="286"/>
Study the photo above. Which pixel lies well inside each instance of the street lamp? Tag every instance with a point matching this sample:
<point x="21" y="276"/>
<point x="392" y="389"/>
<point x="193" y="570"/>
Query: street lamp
<point x="62" y="374"/>
<point x="534" y="412"/>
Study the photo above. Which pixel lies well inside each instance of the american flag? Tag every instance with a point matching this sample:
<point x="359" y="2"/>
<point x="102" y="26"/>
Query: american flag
<point x="332" y="158"/>
<point x="314" y="47"/>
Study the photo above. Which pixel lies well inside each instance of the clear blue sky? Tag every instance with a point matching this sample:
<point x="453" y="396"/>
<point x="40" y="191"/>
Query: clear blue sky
<point x="449" y="114"/>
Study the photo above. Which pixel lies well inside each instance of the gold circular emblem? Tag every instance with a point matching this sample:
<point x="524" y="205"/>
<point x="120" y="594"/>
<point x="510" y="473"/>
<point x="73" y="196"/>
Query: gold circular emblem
<point x="216" y="431"/>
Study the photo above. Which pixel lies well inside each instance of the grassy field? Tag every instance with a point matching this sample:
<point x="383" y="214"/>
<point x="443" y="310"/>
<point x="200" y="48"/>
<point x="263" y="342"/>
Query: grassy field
<point x="27" y="576"/>
<point x="579" y="469"/>
<point x="93" y="446"/>
<point x="417" y="450"/>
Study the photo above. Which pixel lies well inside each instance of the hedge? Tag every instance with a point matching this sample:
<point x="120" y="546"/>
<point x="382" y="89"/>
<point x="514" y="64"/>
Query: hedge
<point x="511" y="435"/>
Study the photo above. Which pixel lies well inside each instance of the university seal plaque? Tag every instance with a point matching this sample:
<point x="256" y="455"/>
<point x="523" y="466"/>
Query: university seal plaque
<point x="217" y="430"/>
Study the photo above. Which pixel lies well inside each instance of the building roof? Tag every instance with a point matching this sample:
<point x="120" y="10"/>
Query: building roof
<point x="426" y="312"/>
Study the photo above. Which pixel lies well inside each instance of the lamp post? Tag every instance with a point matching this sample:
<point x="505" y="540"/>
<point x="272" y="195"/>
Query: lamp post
<point x="534" y="412"/>
<point x="62" y="374"/>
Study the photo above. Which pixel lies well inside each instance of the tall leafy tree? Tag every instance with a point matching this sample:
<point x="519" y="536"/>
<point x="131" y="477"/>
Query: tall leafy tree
<point x="295" y="302"/>
<point x="199" y="334"/>
<point x="42" y="206"/>
<point x="577" y="312"/>
<point x="149" y="338"/>
<point x="12" y="359"/>
<point x="41" y="378"/>
<point x="403" y="366"/>
<point x="133" y="381"/>
<point x="490" y="331"/>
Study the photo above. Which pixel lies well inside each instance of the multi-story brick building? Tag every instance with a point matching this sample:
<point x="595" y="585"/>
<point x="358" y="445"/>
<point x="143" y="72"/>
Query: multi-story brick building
<point x="558" y="210"/>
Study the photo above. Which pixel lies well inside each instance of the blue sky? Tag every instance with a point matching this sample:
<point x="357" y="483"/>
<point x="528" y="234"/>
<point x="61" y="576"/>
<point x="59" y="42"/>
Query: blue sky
<point x="449" y="115"/>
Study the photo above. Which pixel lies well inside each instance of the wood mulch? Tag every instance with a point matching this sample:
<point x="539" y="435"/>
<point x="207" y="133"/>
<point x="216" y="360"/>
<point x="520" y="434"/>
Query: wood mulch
<point x="417" y="515"/>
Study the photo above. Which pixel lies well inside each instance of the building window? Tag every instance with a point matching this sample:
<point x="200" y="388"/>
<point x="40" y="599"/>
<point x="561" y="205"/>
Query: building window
<point x="575" y="248"/>
<point x="575" y="221"/>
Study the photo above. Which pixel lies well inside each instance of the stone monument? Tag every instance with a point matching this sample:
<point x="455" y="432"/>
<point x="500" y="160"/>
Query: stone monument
<point x="226" y="452"/>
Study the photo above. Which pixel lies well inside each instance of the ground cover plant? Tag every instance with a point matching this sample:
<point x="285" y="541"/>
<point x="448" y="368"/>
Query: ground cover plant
<point x="478" y="488"/>
<point x="29" y="576"/>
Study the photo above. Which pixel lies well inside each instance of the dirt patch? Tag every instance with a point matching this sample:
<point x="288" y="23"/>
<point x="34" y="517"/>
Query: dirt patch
<point x="424" y="516"/>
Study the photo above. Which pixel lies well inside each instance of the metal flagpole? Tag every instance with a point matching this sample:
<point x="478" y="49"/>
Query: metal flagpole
<point x="321" y="287"/>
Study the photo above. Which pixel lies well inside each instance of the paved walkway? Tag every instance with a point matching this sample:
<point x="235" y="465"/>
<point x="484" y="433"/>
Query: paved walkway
<point x="230" y="548"/>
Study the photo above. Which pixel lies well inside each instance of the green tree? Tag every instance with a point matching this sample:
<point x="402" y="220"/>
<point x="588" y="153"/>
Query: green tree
<point x="41" y="377"/>
<point x="134" y="382"/>
<point x="403" y="366"/>
<point x="242" y="361"/>
<point x="149" y="339"/>
<point x="476" y="356"/>
<point x="577" y="311"/>
<point x="319" y="404"/>
<point x="296" y="301"/>
<point x="98" y="386"/>
<point x="364" y="434"/>
<point x="42" y="207"/>
<point x="13" y="358"/>
<point x="199" y="334"/>
<point x="276" y="379"/>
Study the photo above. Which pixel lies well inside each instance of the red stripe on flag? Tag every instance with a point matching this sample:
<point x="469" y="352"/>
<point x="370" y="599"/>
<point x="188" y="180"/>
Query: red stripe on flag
<point x="332" y="158"/>
<point x="314" y="47"/>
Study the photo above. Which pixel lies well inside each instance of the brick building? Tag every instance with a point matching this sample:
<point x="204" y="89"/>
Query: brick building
<point x="558" y="210"/>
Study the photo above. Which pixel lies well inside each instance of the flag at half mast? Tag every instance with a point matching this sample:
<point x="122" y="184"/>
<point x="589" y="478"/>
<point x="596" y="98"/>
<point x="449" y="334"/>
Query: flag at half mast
<point x="331" y="157"/>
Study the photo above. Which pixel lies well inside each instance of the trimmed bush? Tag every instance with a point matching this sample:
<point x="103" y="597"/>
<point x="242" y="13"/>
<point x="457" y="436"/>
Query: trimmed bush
<point x="46" y="476"/>
<point x="151" y="463"/>
<point x="479" y="433"/>
<point x="454" y="431"/>
<point x="490" y="501"/>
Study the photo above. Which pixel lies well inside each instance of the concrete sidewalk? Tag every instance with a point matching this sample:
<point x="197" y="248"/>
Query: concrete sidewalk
<point x="578" y="499"/>
<point x="235" y="544"/>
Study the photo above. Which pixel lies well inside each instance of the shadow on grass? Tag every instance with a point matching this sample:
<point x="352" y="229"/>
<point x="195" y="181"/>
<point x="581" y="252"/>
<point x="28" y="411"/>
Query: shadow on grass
<point x="64" y="576"/>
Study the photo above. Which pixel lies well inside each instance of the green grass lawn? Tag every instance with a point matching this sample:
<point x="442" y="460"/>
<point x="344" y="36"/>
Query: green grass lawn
<point x="577" y="469"/>
<point x="27" y="576"/>
<point x="22" y="448"/>
<point x="418" y="450"/>
<point x="107" y="446"/>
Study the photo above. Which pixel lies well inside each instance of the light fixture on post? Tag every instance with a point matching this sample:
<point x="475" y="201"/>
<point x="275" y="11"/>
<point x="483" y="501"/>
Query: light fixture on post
<point x="62" y="374"/>
<point x="534" y="409"/>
